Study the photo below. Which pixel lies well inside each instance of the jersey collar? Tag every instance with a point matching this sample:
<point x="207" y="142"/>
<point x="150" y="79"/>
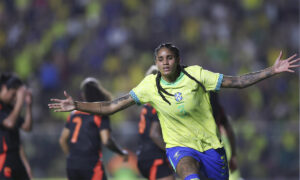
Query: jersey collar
<point x="172" y="83"/>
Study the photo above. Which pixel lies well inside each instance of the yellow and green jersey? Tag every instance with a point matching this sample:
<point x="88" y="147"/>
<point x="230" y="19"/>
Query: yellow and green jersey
<point x="188" y="121"/>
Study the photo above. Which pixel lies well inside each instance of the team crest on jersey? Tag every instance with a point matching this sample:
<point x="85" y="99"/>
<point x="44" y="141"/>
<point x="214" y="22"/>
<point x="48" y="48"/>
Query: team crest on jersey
<point x="178" y="96"/>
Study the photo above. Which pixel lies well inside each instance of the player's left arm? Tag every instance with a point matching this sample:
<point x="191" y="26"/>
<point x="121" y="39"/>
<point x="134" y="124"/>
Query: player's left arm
<point x="63" y="140"/>
<point x="111" y="144"/>
<point x="226" y="128"/>
<point x="285" y="65"/>
<point x="25" y="161"/>
<point x="27" y="125"/>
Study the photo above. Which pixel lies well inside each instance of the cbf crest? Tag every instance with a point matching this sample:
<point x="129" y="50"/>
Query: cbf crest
<point x="178" y="96"/>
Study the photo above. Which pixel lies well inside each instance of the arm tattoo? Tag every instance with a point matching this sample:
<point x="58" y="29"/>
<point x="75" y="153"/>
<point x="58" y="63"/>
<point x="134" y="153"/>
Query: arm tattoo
<point x="105" y="107"/>
<point x="118" y="104"/>
<point x="116" y="101"/>
<point x="247" y="79"/>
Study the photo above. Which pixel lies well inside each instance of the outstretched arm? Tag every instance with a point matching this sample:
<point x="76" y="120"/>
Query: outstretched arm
<point x="102" y="108"/>
<point x="246" y="80"/>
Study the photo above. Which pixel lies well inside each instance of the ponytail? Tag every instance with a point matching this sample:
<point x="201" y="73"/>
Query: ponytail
<point x="160" y="89"/>
<point x="191" y="77"/>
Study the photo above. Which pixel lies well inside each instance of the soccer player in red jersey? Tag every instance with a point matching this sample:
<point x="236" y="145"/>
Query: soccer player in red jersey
<point x="83" y="134"/>
<point x="12" y="96"/>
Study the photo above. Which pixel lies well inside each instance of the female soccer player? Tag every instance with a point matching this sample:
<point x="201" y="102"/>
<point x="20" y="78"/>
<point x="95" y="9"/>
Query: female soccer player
<point x="181" y="97"/>
<point x="12" y="96"/>
<point x="152" y="161"/>
<point x="82" y="136"/>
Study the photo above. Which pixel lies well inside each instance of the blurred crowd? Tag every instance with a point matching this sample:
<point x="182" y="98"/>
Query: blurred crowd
<point x="53" y="45"/>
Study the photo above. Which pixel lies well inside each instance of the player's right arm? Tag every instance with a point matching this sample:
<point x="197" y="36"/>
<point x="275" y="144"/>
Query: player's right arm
<point x="226" y="128"/>
<point x="63" y="140"/>
<point x="102" y="108"/>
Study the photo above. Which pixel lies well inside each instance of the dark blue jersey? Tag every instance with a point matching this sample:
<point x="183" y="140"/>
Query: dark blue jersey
<point x="147" y="148"/>
<point x="9" y="138"/>
<point x="84" y="140"/>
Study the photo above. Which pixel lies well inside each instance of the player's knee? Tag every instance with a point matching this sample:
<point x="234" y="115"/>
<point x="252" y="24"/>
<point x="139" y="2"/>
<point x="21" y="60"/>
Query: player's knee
<point x="187" y="166"/>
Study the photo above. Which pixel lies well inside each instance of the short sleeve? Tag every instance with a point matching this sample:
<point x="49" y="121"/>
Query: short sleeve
<point x="141" y="93"/>
<point x="105" y="123"/>
<point x="212" y="81"/>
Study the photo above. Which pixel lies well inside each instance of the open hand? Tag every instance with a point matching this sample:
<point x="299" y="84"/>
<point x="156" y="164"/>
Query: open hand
<point x="62" y="105"/>
<point x="285" y="65"/>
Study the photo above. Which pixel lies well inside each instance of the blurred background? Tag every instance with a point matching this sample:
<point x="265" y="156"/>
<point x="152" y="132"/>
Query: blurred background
<point x="53" y="45"/>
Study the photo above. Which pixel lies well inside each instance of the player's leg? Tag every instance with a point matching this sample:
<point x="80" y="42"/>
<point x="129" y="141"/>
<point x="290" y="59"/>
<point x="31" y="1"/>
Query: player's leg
<point x="3" y="164"/>
<point x="156" y="169"/>
<point x="161" y="170"/>
<point x="97" y="172"/>
<point x="190" y="164"/>
<point x="73" y="174"/>
<point x="144" y="166"/>
<point x="188" y="168"/>
<point x="214" y="164"/>
<point x="14" y="168"/>
<point x="170" y="177"/>
<point x="184" y="162"/>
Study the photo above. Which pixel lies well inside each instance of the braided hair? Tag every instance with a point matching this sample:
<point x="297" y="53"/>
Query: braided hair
<point x="181" y="68"/>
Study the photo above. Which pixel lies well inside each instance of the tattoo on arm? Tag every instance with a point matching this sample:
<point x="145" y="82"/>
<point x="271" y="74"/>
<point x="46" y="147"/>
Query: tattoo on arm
<point x="247" y="79"/>
<point x="116" y="101"/>
<point x="116" y="105"/>
<point x="106" y="107"/>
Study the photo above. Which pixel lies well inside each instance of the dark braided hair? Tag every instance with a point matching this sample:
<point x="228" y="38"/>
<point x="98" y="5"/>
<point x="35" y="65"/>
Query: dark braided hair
<point x="191" y="77"/>
<point x="176" y="53"/>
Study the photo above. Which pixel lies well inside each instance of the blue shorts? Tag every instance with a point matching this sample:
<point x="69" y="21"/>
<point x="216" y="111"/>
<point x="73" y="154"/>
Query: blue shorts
<point x="213" y="162"/>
